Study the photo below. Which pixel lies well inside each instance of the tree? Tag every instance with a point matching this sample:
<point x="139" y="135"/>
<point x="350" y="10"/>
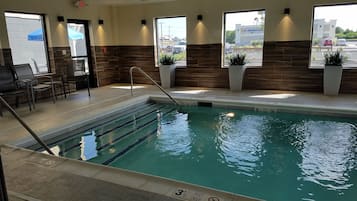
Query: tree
<point x="347" y="34"/>
<point x="339" y="30"/>
<point x="256" y="20"/>
<point x="230" y="37"/>
<point x="347" y="31"/>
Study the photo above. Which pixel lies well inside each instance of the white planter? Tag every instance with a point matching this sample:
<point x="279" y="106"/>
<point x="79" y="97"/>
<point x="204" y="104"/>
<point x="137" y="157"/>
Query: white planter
<point x="332" y="80"/>
<point x="167" y="75"/>
<point x="236" y="75"/>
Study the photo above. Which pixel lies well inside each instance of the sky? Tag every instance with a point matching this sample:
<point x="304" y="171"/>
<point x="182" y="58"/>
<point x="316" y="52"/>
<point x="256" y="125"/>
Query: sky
<point x="243" y="18"/>
<point x="175" y="27"/>
<point x="345" y="15"/>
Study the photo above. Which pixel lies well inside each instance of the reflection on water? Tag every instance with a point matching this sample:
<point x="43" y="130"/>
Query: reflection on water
<point x="328" y="153"/>
<point x="172" y="140"/>
<point x="240" y="142"/>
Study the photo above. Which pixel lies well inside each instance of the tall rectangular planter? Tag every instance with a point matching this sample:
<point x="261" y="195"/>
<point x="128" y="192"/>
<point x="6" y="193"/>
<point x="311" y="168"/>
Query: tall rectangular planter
<point x="236" y="76"/>
<point x="167" y="75"/>
<point x="332" y="80"/>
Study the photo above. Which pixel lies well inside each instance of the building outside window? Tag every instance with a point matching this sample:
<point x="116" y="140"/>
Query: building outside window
<point x="27" y="40"/>
<point x="171" y="38"/>
<point x="244" y="34"/>
<point x="334" y="29"/>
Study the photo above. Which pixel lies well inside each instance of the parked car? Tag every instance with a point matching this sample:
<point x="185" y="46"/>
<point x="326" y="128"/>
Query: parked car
<point x="327" y="42"/>
<point x="341" y="42"/>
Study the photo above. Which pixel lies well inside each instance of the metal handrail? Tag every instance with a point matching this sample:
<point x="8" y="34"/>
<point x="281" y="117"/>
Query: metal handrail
<point x="3" y="191"/>
<point x="152" y="80"/>
<point x="19" y="119"/>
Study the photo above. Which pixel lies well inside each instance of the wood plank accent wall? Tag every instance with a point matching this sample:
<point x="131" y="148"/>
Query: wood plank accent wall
<point x="285" y="67"/>
<point x="203" y="68"/>
<point x="106" y="64"/>
<point x="140" y="56"/>
<point x="5" y="56"/>
<point x="60" y="61"/>
<point x="349" y="81"/>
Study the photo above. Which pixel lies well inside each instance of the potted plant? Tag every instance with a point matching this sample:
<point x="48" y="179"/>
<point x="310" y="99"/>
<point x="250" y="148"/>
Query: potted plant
<point x="167" y="70"/>
<point x="333" y="73"/>
<point x="236" y="71"/>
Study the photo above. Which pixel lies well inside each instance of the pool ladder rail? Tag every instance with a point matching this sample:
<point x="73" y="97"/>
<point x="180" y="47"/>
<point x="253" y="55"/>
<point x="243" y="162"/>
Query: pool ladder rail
<point x="22" y="122"/>
<point x="152" y="80"/>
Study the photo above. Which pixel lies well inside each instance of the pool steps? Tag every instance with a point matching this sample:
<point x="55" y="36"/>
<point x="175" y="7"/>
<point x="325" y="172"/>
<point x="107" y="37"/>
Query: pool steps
<point x="112" y="138"/>
<point x="128" y="148"/>
<point x="130" y="120"/>
<point x="146" y="128"/>
<point x="124" y="113"/>
<point x="138" y="141"/>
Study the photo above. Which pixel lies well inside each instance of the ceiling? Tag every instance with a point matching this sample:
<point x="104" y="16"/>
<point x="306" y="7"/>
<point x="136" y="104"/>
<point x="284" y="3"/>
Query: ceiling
<point x="124" y="2"/>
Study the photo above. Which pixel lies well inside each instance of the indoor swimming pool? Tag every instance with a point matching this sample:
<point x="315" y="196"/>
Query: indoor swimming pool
<point x="273" y="156"/>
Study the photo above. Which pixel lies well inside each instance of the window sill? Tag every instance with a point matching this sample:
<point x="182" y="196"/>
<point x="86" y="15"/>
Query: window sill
<point x="323" y="67"/>
<point x="181" y="66"/>
<point x="245" y="67"/>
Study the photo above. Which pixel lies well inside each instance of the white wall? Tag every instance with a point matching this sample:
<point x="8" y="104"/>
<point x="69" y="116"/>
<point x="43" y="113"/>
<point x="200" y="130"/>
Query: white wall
<point x="122" y="23"/>
<point x="57" y="35"/>
<point x="278" y="27"/>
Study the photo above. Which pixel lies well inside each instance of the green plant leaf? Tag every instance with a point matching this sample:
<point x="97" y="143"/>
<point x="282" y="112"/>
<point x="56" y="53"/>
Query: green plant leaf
<point x="166" y="59"/>
<point x="334" y="58"/>
<point x="238" y="59"/>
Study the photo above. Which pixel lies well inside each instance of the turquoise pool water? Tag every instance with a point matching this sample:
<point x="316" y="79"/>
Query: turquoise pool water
<point x="271" y="156"/>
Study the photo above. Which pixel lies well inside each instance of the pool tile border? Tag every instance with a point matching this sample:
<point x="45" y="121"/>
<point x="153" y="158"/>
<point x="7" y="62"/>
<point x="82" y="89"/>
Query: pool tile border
<point x="263" y="106"/>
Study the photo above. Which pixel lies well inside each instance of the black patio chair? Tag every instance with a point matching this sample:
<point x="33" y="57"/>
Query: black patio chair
<point x="26" y="79"/>
<point x="8" y="87"/>
<point x="56" y="82"/>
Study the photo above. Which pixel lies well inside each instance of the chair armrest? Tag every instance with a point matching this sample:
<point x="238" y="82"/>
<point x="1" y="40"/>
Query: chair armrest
<point x="24" y="83"/>
<point x="47" y="77"/>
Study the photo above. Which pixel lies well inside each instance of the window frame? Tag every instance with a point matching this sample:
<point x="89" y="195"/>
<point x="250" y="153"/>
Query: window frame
<point x="224" y="34"/>
<point x="45" y="36"/>
<point x="312" y="31"/>
<point x="156" y="37"/>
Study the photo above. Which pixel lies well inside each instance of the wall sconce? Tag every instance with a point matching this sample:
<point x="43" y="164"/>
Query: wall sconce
<point x="60" y="18"/>
<point x="286" y="11"/>
<point x="199" y="17"/>
<point x="100" y="21"/>
<point x="143" y="22"/>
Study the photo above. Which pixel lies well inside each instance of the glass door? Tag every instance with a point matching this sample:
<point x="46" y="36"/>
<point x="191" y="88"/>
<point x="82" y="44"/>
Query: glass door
<point x="78" y="37"/>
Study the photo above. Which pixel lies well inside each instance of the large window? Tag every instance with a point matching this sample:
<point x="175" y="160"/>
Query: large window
<point x="27" y="40"/>
<point x="171" y="38"/>
<point x="334" y="29"/>
<point x="244" y="34"/>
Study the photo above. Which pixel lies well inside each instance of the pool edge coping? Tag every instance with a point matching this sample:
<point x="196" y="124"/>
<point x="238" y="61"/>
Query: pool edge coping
<point x="264" y="106"/>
